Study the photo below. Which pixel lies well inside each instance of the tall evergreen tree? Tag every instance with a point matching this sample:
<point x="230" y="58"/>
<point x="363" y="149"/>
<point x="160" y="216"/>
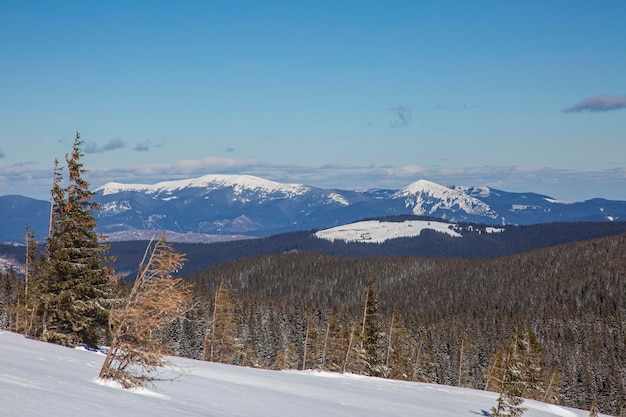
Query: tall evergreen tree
<point x="373" y="335"/>
<point x="80" y="283"/>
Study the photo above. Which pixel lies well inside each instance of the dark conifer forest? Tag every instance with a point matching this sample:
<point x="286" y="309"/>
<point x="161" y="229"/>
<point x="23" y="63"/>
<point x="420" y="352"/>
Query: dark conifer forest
<point x="441" y="320"/>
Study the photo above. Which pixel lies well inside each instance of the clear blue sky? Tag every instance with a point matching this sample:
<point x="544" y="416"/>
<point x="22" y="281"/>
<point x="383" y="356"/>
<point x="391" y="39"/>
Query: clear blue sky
<point x="517" y="95"/>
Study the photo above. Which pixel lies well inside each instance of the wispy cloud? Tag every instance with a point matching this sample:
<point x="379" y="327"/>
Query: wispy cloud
<point x="400" y="116"/>
<point x="2" y="155"/>
<point x="93" y="147"/>
<point x="146" y="145"/>
<point x="556" y="183"/>
<point x="187" y="168"/>
<point x="142" y="147"/>
<point x="28" y="179"/>
<point x="599" y="103"/>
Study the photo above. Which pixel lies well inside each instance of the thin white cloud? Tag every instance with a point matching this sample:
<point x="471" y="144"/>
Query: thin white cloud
<point x="599" y="103"/>
<point x="30" y="180"/>
<point x="187" y="168"/>
<point x="556" y="183"/>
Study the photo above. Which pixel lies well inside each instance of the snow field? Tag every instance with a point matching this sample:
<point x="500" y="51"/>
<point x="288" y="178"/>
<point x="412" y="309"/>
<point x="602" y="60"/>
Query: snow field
<point x="40" y="379"/>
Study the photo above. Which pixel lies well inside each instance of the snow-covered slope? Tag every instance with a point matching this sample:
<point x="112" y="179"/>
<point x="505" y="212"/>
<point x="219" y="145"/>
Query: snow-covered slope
<point x="374" y="231"/>
<point x="427" y="198"/>
<point x="43" y="380"/>
<point x="239" y="183"/>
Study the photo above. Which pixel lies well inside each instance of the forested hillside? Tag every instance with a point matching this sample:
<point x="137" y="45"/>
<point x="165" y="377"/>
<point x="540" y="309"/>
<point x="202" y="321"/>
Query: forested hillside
<point x="447" y="317"/>
<point x="474" y="244"/>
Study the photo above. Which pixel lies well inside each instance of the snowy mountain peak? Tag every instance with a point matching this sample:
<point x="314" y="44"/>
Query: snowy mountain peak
<point x="423" y="187"/>
<point x="426" y="198"/>
<point x="239" y="183"/>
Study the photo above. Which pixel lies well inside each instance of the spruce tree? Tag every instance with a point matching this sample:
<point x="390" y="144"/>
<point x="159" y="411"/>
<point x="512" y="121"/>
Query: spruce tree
<point x="79" y="281"/>
<point x="373" y="336"/>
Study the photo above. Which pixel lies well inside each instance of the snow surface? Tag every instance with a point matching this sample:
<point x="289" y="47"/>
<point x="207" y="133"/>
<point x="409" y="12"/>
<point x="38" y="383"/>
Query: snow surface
<point x="374" y="231"/>
<point x="474" y="191"/>
<point x="39" y="379"/>
<point x="239" y="183"/>
<point x="6" y="265"/>
<point x="553" y="201"/>
<point x="427" y="197"/>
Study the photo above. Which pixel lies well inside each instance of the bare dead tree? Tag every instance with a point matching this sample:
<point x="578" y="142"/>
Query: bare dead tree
<point x="156" y="300"/>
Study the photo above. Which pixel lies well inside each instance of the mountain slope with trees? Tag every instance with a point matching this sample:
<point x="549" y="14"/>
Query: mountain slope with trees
<point x="447" y="318"/>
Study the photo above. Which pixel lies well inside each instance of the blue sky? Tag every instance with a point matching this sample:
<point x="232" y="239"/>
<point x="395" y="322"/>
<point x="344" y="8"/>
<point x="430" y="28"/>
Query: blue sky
<point x="516" y="95"/>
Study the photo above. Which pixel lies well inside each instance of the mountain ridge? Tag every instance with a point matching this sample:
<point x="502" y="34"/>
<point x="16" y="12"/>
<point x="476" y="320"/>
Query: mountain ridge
<point x="245" y="205"/>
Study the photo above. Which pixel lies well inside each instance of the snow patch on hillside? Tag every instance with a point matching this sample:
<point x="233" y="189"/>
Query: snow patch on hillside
<point x="374" y="231"/>
<point x="6" y="265"/>
<point x="338" y="198"/>
<point x="473" y="191"/>
<point x="114" y="208"/>
<point x="553" y="201"/>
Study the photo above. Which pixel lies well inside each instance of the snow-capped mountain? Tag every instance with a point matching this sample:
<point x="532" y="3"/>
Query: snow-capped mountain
<point x="223" y="204"/>
<point x="247" y="205"/>
<point x="426" y="198"/>
<point x="240" y="184"/>
<point x="243" y="205"/>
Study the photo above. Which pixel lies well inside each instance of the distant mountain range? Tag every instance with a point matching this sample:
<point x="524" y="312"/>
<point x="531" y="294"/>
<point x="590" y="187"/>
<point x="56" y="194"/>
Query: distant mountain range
<point x="225" y="207"/>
